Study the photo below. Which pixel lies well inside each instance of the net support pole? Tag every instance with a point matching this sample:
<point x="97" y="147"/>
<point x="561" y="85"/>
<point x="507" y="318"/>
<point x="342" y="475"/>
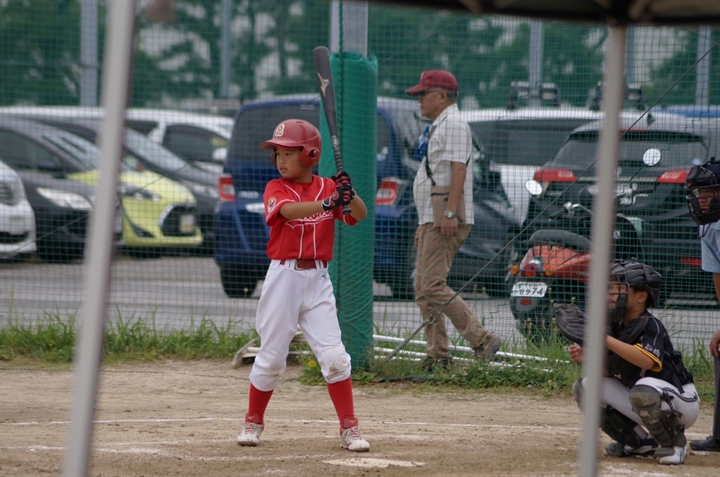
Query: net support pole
<point x="602" y="229"/>
<point x="88" y="347"/>
<point x="356" y="78"/>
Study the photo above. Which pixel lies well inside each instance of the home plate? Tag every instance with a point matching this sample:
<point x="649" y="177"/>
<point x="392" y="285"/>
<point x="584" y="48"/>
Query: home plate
<point x="370" y="462"/>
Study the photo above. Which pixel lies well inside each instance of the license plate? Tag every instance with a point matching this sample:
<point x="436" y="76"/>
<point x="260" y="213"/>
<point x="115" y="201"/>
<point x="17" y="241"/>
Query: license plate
<point x="529" y="289"/>
<point x="187" y="223"/>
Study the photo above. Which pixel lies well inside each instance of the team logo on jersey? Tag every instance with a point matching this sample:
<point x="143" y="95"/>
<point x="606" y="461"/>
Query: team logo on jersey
<point x="280" y="130"/>
<point x="271" y="204"/>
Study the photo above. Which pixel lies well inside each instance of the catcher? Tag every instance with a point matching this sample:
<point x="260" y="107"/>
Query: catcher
<point x="647" y="394"/>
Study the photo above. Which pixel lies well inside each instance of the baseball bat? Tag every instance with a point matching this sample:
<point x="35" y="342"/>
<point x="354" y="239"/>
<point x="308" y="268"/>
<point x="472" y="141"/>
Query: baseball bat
<point x="321" y="56"/>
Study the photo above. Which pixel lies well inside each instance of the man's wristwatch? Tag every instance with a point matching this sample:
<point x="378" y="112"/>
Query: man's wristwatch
<point x="450" y="214"/>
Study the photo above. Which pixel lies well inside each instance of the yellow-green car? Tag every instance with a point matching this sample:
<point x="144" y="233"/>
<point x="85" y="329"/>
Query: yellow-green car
<point x="156" y="211"/>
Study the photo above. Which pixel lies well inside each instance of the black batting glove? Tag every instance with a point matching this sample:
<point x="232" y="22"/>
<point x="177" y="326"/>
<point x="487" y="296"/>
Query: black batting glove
<point x="333" y="202"/>
<point x="342" y="179"/>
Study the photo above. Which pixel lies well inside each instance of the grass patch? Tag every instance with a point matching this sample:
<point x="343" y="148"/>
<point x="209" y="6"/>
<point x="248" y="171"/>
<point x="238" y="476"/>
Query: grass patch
<point x="50" y="342"/>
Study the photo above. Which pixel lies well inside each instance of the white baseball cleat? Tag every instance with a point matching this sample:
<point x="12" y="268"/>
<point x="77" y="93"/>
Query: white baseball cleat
<point x="250" y="435"/>
<point x="672" y="455"/>
<point x="353" y="441"/>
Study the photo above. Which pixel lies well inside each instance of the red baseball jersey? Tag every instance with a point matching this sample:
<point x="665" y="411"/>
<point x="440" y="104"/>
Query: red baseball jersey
<point x="307" y="238"/>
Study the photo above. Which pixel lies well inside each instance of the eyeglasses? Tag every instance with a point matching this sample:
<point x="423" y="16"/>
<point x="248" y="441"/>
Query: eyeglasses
<point x="428" y="91"/>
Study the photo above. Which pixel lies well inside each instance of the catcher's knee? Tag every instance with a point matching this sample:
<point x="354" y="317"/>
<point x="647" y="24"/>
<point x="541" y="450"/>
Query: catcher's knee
<point x="335" y="364"/>
<point x="664" y="426"/>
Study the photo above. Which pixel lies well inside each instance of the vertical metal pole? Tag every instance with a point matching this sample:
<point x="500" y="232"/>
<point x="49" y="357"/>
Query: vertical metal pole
<point x="116" y="78"/>
<point x="631" y="69"/>
<point x="225" y="14"/>
<point x="536" y="62"/>
<point x="88" y="52"/>
<point x="602" y="229"/>
<point x="702" y="82"/>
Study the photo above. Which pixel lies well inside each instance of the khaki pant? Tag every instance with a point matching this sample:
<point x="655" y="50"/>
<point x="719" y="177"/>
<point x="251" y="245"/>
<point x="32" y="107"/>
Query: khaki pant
<point x="435" y="255"/>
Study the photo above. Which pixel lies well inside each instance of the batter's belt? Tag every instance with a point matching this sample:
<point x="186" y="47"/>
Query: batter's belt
<point x="305" y="263"/>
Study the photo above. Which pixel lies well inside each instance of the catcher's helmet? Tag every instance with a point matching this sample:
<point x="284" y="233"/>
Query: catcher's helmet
<point x="637" y="276"/>
<point x="296" y="134"/>
<point x="703" y="186"/>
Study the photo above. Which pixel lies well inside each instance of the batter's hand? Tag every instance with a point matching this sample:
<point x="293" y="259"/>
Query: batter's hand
<point x="342" y="179"/>
<point x="333" y="202"/>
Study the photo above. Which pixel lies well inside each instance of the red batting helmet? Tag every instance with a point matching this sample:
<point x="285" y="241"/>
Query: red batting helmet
<point x="296" y="134"/>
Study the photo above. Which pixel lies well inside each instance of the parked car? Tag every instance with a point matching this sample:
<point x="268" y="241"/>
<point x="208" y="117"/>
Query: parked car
<point x="693" y="111"/>
<point x="140" y="153"/>
<point x="655" y="154"/>
<point x="17" y="220"/>
<point x="198" y="138"/>
<point x="240" y="228"/>
<point x="156" y="212"/>
<point x="518" y="140"/>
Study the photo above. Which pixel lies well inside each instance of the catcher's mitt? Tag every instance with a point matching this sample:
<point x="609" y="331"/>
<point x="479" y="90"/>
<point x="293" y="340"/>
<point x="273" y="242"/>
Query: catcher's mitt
<point x="570" y="321"/>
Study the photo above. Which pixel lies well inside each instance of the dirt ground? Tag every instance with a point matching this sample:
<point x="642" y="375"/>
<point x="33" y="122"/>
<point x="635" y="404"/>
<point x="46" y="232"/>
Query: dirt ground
<point x="182" y="418"/>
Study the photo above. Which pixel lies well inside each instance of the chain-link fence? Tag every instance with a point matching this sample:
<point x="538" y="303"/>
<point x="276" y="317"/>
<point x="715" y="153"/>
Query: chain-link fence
<point x="210" y="86"/>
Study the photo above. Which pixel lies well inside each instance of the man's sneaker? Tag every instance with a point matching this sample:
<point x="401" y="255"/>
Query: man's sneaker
<point x="429" y="363"/>
<point x="250" y="435"/>
<point x="710" y="444"/>
<point x="353" y="441"/>
<point x="486" y="350"/>
<point x="672" y="455"/>
<point x="647" y="447"/>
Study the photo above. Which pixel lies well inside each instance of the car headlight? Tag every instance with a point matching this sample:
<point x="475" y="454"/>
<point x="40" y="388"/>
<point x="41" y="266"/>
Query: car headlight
<point x="63" y="198"/>
<point x="202" y="189"/>
<point x="138" y="193"/>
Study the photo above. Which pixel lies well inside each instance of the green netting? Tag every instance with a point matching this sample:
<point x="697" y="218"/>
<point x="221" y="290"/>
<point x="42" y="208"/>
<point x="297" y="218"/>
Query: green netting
<point x="212" y="84"/>
<point x="351" y="269"/>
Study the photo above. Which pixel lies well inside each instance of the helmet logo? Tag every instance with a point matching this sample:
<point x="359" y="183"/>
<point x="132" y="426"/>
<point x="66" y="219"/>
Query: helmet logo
<point x="280" y="130"/>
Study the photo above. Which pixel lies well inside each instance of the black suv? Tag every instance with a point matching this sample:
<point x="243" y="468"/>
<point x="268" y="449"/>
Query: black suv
<point x="656" y="152"/>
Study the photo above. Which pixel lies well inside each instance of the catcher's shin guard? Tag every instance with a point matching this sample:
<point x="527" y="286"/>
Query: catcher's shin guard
<point x="620" y="427"/>
<point x="577" y="391"/>
<point x="662" y="425"/>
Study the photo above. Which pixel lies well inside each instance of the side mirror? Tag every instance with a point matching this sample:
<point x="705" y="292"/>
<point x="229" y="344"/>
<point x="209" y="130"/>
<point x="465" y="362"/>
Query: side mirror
<point x="219" y="155"/>
<point x="651" y="157"/>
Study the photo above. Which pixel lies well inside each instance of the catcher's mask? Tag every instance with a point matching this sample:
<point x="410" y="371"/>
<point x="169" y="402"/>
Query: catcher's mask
<point x="638" y="276"/>
<point x="296" y="134"/>
<point x="703" y="186"/>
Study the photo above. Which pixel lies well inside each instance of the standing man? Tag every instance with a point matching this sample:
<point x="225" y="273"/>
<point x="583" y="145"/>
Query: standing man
<point x="703" y="186"/>
<point x="443" y="196"/>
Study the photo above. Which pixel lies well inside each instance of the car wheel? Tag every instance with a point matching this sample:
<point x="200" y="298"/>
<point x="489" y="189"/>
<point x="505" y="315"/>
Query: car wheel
<point x="501" y="285"/>
<point x="237" y="282"/>
<point x="56" y="253"/>
<point x="144" y="253"/>
<point x="402" y="283"/>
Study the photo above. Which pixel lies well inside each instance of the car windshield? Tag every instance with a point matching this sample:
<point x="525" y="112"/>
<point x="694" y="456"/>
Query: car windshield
<point x="256" y="125"/>
<point x="141" y="146"/>
<point x="524" y="142"/>
<point x="84" y="152"/>
<point x="677" y="149"/>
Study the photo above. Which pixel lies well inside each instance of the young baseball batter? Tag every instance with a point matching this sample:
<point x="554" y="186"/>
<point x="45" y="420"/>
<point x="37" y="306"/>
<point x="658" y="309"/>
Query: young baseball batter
<point x="647" y="394"/>
<point x="300" y="209"/>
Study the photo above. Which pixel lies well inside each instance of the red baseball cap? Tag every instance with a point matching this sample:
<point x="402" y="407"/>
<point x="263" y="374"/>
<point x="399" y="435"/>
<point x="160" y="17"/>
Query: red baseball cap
<point x="434" y="79"/>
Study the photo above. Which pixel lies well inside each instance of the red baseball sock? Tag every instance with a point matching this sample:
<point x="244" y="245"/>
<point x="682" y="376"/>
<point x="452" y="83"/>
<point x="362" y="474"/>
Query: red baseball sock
<point x="342" y="398"/>
<point x="258" y="403"/>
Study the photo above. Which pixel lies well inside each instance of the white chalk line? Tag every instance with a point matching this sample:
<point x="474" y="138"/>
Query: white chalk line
<point x="296" y="421"/>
